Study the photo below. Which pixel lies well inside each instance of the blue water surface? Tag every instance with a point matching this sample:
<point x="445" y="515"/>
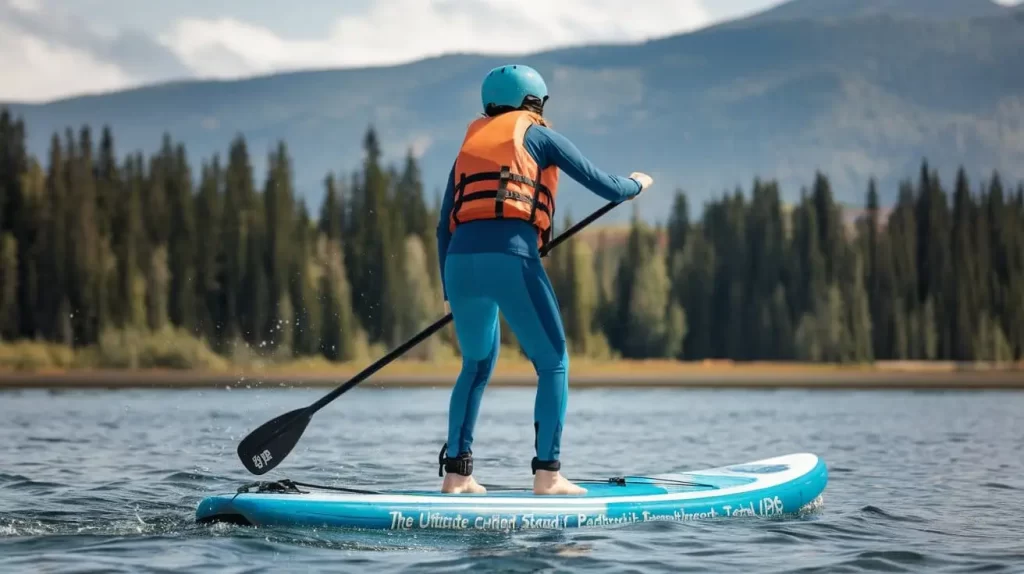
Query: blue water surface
<point x="108" y="481"/>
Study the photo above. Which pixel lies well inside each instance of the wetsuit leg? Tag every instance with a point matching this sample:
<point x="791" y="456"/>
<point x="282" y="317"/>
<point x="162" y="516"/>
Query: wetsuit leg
<point x="527" y="300"/>
<point x="475" y="315"/>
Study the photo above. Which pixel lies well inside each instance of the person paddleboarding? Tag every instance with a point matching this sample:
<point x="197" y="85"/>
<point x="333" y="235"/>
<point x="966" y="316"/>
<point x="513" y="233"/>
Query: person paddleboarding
<point x="497" y="213"/>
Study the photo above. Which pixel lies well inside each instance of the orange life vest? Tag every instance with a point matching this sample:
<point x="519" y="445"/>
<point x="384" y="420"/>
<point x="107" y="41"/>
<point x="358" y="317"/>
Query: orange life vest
<point x="495" y="177"/>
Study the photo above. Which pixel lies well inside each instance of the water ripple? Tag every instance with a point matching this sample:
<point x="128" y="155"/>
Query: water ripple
<point x="108" y="481"/>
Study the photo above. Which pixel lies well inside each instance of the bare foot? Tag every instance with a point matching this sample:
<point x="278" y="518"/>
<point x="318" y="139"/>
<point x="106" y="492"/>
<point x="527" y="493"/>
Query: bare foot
<point x="548" y="482"/>
<point x="458" y="484"/>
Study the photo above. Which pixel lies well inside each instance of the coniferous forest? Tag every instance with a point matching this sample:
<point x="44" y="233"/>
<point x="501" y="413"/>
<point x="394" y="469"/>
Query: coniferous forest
<point x="99" y="250"/>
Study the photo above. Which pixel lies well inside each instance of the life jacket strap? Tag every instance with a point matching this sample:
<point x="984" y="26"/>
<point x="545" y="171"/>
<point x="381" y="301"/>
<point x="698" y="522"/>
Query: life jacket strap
<point x="501" y="194"/>
<point x="504" y="174"/>
<point x="459" y="190"/>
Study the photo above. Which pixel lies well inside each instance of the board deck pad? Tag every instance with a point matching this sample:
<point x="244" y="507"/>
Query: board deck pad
<point x="777" y="486"/>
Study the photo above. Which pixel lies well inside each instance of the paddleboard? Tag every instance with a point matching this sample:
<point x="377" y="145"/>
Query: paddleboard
<point x="777" y="486"/>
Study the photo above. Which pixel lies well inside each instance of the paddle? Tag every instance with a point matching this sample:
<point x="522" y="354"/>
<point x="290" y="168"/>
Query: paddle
<point x="265" y="448"/>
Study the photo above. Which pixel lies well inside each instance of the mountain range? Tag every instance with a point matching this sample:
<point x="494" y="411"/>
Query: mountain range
<point x="854" y="88"/>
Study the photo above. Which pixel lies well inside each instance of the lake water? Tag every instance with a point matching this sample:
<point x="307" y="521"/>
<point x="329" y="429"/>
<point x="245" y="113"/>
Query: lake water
<point x="108" y="480"/>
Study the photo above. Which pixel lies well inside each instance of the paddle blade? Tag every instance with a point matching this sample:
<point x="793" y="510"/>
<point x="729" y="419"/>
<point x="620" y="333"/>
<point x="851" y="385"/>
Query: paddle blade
<point x="268" y="445"/>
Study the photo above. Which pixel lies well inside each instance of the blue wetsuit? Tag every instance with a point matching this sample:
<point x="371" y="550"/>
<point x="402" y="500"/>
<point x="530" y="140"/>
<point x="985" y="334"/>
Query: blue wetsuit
<point x="495" y="264"/>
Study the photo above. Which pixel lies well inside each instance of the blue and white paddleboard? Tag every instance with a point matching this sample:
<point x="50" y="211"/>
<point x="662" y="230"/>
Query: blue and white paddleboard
<point x="771" y="487"/>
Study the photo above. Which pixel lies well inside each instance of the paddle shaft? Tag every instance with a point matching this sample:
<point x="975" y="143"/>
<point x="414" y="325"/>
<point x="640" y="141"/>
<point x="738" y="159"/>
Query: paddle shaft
<point x="440" y="323"/>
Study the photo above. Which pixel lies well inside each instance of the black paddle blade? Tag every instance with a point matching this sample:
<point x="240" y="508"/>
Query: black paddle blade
<point x="268" y="445"/>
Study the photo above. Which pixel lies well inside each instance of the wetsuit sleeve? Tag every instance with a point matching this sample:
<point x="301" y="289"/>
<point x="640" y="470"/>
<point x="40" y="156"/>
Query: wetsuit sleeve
<point x="549" y="147"/>
<point x="444" y="235"/>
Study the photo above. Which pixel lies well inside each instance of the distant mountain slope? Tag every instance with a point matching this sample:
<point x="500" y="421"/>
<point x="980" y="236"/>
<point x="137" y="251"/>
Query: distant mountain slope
<point x="705" y="111"/>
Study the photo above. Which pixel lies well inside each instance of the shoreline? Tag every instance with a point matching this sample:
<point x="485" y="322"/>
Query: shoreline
<point x="616" y="374"/>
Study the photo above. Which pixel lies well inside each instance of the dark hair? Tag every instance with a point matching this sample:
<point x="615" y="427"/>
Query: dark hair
<point x="530" y="103"/>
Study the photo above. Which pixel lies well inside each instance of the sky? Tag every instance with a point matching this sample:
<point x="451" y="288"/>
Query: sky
<point x="57" y="48"/>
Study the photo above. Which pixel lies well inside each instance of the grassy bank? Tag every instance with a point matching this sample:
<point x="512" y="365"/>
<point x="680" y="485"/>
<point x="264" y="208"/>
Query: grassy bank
<point x="406" y="375"/>
<point x="173" y="360"/>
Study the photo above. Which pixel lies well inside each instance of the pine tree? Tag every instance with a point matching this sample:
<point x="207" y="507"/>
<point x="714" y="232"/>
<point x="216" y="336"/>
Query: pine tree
<point x="421" y="304"/>
<point x="966" y="311"/>
<point x="884" y="301"/>
<point x="694" y="279"/>
<point x="341" y="334"/>
<point x="928" y="332"/>
<point x="85" y="256"/>
<point x="983" y="258"/>
<point x="1015" y="289"/>
<point x="829" y="225"/>
<point x="903" y="251"/>
<point x="582" y="307"/>
<point x="8" y="286"/>
<point x="181" y="241"/>
<point x="1000" y="221"/>
<point x="647" y="318"/>
<point x="255" y="300"/>
<point x="108" y="184"/>
<point x="238" y="201"/>
<point x="648" y="328"/>
<point x="155" y="204"/>
<point x="305" y="286"/>
<point x="782" y="347"/>
<point x="109" y="187"/>
<point x="607" y="310"/>
<point x="279" y="204"/>
<point x="558" y="267"/>
<point x="933" y="236"/>
<point x="678" y="226"/>
<point x="158" y="286"/>
<point x="823" y="334"/>
<point x="873" y="273"/>
<point x="766" y="244"/>
<point x="808" y="272"/>
<point x="625" y="279"/>
<point x="376" y="276"/>
<point x="14" y="163"/>
<point x="19" y="213"/>
<point x="210" y="315"/>
<point x="419" y="219"/>
<point x="410" y="203"/>
<point x="725" y="228"/>
<point x="330" y="211"/>
<point x="31" y="242"/>
<point x="990" y="342"/>
<point x="858" y="308"/>
<point x="130" y="248"/>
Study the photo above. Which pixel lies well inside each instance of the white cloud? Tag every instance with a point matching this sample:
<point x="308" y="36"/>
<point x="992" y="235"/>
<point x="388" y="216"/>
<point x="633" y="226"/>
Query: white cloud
<point x="230" y="48"/>
<point x="35" y="70"/>
<point x="30" y="6"/>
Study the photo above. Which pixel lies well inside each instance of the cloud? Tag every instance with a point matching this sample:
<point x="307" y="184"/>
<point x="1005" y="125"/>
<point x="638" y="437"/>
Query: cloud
<point x="27" y="6"/>
<point x="228" y="47"/>
<point x="37" y="70"/>
<point x="49" y="53"/>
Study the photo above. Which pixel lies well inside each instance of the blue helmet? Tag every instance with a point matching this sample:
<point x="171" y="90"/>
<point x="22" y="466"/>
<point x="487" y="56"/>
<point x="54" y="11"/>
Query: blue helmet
<point x="511" y="85"/>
